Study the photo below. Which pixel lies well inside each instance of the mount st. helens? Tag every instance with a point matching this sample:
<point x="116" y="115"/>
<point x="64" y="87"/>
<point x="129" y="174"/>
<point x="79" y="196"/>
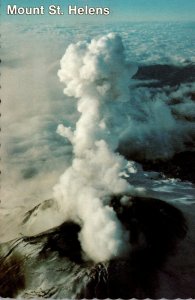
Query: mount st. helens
<point x="115" y="237"/>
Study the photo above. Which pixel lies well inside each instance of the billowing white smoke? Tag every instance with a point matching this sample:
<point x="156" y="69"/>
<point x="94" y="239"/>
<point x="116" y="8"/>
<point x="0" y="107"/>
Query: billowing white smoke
<point x="158" y="128"/>
<point x="97" y="76"/>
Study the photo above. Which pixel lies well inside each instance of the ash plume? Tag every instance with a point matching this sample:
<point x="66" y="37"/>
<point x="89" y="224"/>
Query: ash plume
<point x="96" y="75"/>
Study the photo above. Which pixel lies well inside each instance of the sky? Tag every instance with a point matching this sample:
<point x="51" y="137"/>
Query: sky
<point x="123" y="10"/>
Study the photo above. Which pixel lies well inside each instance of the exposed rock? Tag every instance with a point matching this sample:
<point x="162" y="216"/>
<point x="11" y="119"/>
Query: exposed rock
<point x="166" y="74"/>
<point x="181" y="166"/>
<point x="51" y="264"/>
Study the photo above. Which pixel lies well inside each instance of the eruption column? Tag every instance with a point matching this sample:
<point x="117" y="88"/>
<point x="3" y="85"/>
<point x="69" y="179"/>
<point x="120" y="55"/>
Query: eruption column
<point x="97" y="75"/>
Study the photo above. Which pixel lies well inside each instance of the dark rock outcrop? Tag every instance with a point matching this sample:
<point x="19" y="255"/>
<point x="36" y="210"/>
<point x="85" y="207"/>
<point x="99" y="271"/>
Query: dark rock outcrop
<point x="52" y="264"/>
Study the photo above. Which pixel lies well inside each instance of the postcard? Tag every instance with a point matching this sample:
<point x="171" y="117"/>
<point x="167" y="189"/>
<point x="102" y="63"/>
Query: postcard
<point x="97" y="149"/>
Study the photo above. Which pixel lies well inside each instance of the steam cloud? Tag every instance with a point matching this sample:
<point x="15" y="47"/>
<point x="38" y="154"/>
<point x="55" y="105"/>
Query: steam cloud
<point x="83" y="193"/>
<point x="97" y="76"/>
